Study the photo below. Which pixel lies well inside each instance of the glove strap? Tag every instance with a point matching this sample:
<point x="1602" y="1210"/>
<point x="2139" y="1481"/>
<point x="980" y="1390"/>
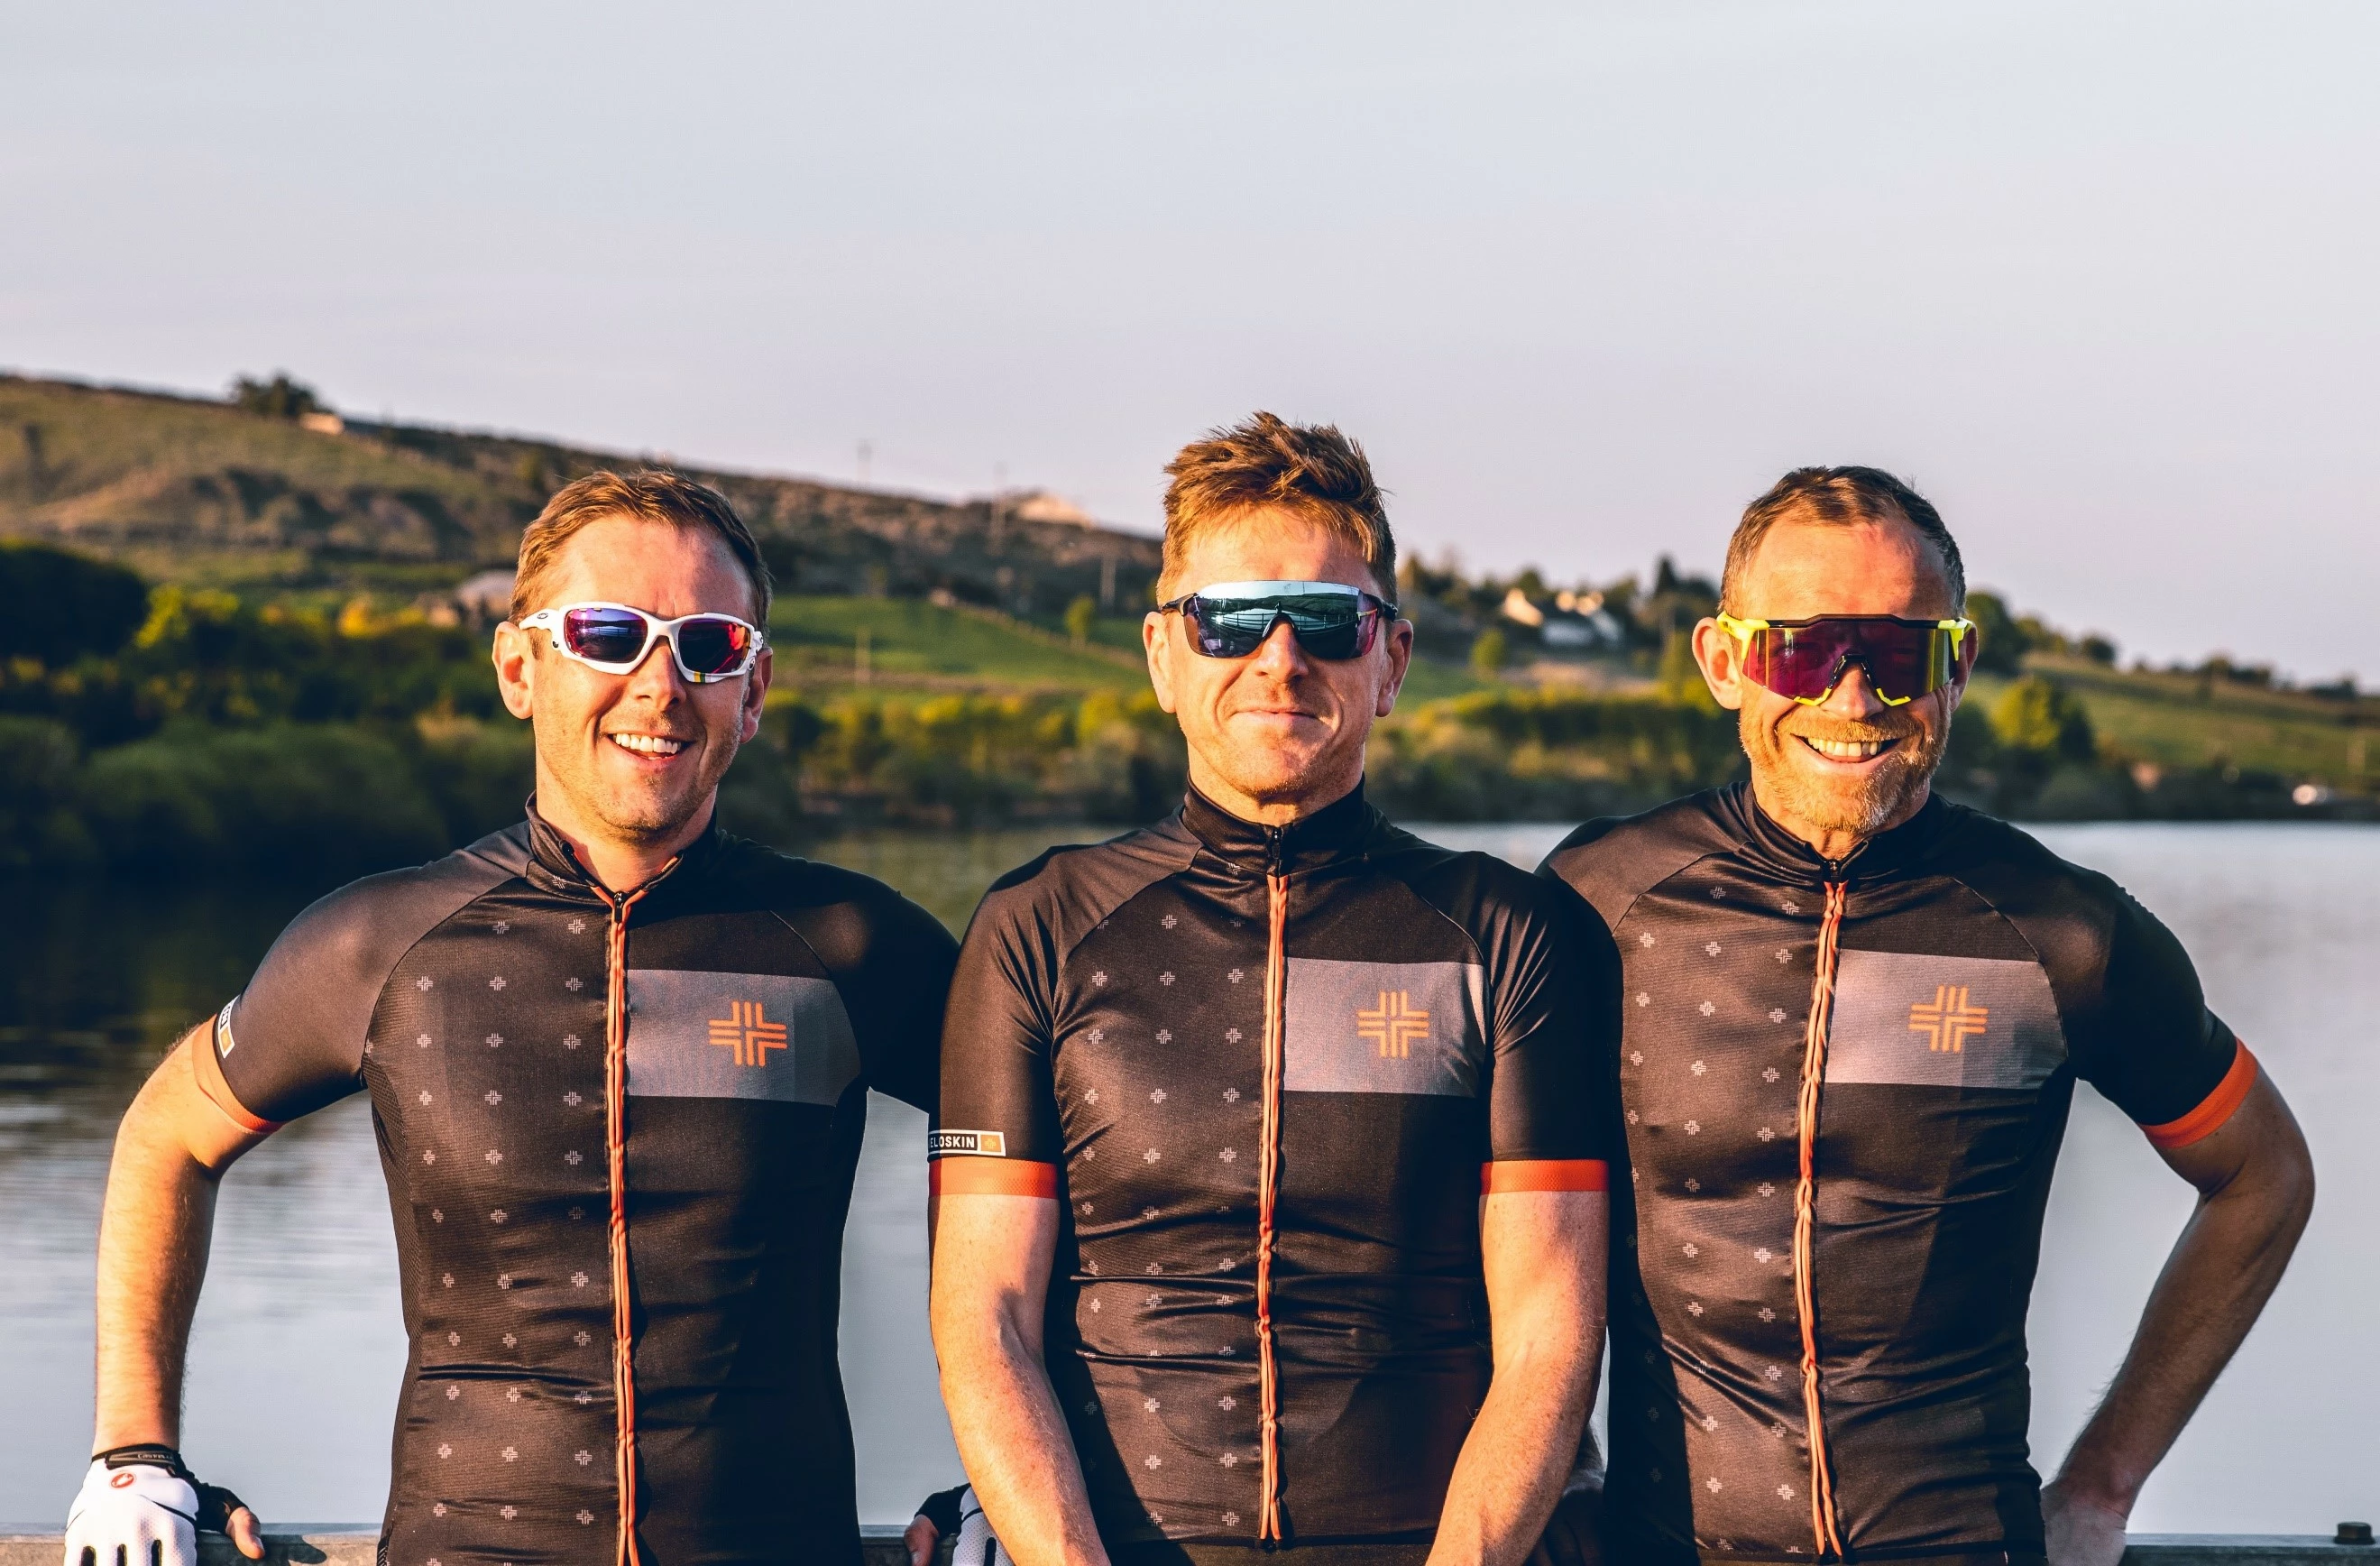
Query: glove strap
<point x="155" y="1454"/>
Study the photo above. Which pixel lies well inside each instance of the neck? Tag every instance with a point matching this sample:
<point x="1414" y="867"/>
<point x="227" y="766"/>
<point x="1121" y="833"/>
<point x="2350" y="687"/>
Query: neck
<point x="615" y="864"/>
<point x="1835" y="844"/>
<point x="1274" y="809"/>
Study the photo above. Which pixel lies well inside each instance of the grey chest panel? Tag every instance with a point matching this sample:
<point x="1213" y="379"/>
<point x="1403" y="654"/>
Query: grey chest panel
<point x="1384" y="1027"/>
<point x="1943" y="1022"/>
<point x="694" y="1035"/>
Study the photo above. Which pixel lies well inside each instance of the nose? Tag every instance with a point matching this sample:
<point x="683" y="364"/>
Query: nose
<point x="1854" y="697"/>
<point x="657" y="678"/>
<point x="1279" y="654"/>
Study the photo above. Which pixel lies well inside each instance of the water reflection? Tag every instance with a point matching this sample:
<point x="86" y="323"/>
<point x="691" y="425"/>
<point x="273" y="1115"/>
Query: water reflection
<point x="298" y="1347"/>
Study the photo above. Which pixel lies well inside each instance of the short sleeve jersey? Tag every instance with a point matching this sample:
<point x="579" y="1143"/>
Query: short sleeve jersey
<point x="619" y="1134"/>
<point x="1893" y="1040"/>
<point x="1267" y="1074"/>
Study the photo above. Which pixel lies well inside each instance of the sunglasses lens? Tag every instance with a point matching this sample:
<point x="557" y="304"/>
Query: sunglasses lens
<point x="714" y="646"/>
<point x="1805" y="662"/>
<point x="1330" y="626"/>
<point x="604" y="635"/>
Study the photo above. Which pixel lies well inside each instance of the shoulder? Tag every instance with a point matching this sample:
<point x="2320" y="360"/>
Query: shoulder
<point x="2025" y="881"/>
<point x="1065" y="892"/>
<point x="1467" y="882"/>
<point x="848" y="918"/>
<point x="361" y="931"/>
<point x="1613" y="860"/>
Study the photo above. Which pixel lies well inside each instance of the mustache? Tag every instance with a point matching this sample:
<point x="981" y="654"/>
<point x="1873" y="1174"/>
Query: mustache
<point x="1847" y="731"/>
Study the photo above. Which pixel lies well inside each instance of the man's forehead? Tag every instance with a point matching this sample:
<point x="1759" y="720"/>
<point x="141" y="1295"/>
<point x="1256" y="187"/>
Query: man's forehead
<point x="1272" y="545"/>
<point x="1807" y="567"/>
<point x="629" y="559"/>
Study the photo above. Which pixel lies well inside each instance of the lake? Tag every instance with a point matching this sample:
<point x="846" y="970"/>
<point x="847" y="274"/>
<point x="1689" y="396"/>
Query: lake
<point x="298" y="1345"/>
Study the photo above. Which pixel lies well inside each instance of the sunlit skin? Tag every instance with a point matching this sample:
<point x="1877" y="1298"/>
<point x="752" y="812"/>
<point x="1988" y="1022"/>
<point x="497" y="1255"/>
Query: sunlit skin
<point x="629" y="765"/>
<point x="1280" y="733"/>
<point x="1800" y="571"/>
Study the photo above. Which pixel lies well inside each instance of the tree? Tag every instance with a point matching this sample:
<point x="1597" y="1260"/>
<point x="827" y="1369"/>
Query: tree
<point x="1080" y="616"/>
<point x="2004" y="641"/>
<point x="64" y="605"/>
<point x="1490" y="653"/>
<point x="278" y="398"/>
<point x="2042" y="719"/>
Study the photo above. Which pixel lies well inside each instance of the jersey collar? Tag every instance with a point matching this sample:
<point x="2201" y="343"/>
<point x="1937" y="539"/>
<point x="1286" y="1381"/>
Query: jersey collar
<point x="1341" y="830"/>
<point x="554" y="866"/>
<point x="1887" y="854"/>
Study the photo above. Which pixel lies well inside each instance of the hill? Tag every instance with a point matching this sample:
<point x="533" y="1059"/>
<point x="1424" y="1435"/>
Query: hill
<point x="208" y="493"/>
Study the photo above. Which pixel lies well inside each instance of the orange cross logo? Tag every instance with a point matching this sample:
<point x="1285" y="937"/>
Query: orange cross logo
<point x="1394" y="1025"/>
<point x="1947" y="1022"/>
<point x="748" y="1033"/>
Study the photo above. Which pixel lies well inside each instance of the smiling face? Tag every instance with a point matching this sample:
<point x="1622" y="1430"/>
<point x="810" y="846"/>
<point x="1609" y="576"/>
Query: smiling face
<point x="630" y="763"/>
<point x="1838" y="773"/>
<point x="1279" y="733"/>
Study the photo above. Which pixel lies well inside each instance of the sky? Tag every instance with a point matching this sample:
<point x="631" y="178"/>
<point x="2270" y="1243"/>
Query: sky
<point x="1584" y="278"/>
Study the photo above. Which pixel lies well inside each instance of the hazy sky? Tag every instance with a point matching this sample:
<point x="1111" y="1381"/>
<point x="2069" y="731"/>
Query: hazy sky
<point x="2101" y="279"/>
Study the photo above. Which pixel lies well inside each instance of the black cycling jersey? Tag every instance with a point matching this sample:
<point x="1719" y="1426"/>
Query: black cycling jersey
<point x="1844" y="1085"/>
<point x="1269" y="1071"/>
<point x="619" y="1134"/>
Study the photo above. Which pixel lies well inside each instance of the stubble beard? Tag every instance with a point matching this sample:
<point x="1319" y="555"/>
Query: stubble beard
<point x="1861" y="806"/>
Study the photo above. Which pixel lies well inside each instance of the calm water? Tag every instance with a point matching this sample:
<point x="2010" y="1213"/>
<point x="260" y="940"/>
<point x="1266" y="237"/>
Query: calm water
<point x="299" y="1346"/>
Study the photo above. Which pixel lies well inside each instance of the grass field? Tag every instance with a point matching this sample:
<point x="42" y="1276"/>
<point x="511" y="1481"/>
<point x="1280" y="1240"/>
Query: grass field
<point x="2187" y="721"/>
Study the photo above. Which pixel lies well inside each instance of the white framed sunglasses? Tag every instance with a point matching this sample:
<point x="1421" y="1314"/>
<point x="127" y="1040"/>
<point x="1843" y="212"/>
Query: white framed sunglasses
<point x="614" y="638"/>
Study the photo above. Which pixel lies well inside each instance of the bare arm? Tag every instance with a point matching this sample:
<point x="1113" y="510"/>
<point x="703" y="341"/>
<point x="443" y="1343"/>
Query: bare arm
<point x="992" y="1257"/>
<point x="2256" y="1185"/>
<point x="154" y="1228"/>
<point x="1544" y="1256"/>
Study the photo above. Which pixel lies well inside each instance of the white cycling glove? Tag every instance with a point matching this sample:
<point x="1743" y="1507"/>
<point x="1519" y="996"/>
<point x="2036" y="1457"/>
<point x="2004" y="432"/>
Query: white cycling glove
<point x="975" y="1546"/>
<point x="143" y="1502"/>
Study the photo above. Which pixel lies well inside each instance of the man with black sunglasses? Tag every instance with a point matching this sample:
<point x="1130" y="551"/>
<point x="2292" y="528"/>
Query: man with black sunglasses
<point x="618" y="1063"/>
<point x="1270" y="1165"/>
<point x="1855" y="1018"/>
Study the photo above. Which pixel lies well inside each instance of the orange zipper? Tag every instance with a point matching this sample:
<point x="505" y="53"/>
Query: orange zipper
<point x="1269" y="1191"/>
<point x="1805" y="1196"/>
<point x="616" y="1148"/>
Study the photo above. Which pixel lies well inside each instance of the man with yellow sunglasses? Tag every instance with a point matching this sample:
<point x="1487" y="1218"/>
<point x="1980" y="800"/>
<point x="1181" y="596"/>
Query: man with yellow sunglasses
<point x="1855" y="1014"/>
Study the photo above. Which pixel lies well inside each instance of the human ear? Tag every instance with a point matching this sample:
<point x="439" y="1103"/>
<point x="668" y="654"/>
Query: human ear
<point x="515" y="654"/>
<point x="1157" y="643"/>
<point x="1400" y="645"/>
<point x="755" y="696"/>
<point x="1718" y="654"/>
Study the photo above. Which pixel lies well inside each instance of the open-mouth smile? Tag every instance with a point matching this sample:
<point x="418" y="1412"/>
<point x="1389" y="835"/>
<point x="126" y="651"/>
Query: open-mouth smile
<point x="657" y="747"/>
<point x="1849" y="750"/>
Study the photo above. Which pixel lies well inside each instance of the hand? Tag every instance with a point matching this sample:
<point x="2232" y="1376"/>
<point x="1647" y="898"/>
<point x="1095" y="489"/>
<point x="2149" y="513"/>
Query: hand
<point x="144" y="1507"/>
<point x="2080" y="1532"/>
<point x="921" y="1537"/>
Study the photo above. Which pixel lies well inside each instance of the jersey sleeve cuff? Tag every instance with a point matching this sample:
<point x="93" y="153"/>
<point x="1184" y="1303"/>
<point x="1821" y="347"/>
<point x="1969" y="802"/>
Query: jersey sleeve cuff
<point x="1544" y="1174"/>
<point x="977" y="1176"/>
<point x="208" y="1067"/>
<point x="2213" y="1110"/>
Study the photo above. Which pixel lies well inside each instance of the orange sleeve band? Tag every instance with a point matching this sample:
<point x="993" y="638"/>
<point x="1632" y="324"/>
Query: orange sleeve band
<point x="991" y="1177"/>
<point x="1544" y="1174"/>
<point x="208" y="1069"/>
<point x="2212" y="1109"/>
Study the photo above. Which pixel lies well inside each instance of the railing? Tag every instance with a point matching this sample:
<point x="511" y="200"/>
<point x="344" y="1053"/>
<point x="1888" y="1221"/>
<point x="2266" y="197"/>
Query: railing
<point x="345" y="1545"/>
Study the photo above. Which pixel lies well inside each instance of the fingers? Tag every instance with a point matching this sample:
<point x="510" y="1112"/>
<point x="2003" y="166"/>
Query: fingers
<point x="247" y="1534"/>
<point x="921" y="1536"/>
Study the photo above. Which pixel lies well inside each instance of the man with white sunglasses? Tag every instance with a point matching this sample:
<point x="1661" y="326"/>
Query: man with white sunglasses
<point x="618" y="1063"/>
<point x="1270" y="1164"/>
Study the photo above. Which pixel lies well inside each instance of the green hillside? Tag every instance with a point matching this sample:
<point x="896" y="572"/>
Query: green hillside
<point x="205" y="493"/>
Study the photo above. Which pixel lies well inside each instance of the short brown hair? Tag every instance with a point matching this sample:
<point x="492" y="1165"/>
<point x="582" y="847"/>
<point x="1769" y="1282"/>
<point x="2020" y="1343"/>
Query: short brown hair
<point x="1839" y="495"/>
<point x="1266" y="463"/>
<point x="651" y="494"/>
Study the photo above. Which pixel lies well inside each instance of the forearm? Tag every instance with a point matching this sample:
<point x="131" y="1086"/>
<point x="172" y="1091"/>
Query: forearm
<point x="2215" y="1283"/>
<point x="153" y="1233"/>
<point x="1516" y="1459"/>
<point x="1019" y="1453"/>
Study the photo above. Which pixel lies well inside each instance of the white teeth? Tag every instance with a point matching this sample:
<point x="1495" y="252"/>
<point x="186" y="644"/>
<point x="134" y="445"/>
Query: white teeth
<point x="647" y="745"/>
<point x="1848" y="750"/>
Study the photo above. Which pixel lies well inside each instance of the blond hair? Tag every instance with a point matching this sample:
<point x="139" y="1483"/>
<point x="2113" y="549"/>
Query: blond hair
<point x="651" y="494"/>
<point x="1266" y="464"/>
